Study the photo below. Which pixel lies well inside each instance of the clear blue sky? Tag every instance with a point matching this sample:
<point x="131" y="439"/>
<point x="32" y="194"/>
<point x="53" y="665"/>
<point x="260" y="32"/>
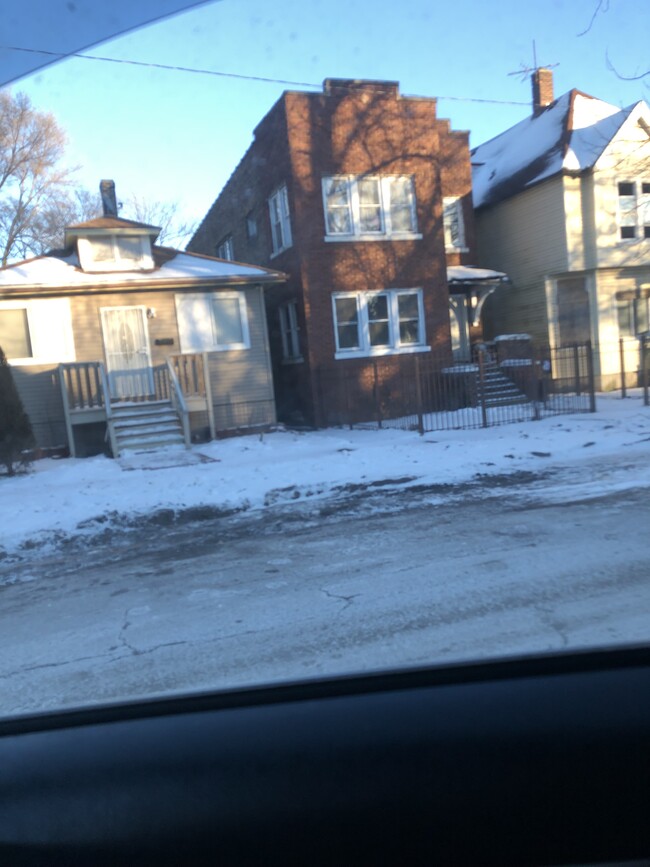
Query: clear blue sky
<point x="177" y="136"/>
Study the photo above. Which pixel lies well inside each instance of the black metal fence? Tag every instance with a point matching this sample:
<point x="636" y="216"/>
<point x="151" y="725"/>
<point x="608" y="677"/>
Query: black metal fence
<point x="633" y="364"/>
<point x="428" y="392"/>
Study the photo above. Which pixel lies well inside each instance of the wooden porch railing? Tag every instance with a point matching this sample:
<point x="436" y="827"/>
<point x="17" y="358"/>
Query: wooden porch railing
<point x="182" y="379"/>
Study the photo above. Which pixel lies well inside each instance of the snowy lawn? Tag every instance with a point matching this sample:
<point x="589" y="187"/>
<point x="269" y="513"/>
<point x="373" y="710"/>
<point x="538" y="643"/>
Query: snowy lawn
<point x="60" y="497"/>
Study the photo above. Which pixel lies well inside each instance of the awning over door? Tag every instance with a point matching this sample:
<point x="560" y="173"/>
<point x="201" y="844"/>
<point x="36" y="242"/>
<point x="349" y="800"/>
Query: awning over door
<point x="477" y="284"/>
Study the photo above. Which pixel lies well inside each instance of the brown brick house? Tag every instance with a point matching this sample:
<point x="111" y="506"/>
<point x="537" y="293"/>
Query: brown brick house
<point x="363" y="197"/>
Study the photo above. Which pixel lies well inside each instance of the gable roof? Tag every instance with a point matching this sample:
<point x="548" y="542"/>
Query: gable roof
<point x="567" y="135"/>
<point x="59" y="273"/>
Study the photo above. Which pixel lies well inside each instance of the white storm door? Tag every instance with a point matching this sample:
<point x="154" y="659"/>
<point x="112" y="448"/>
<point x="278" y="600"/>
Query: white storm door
<point x="128" y="359"/>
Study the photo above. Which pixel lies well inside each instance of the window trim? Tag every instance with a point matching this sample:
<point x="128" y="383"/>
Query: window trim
<point x="187" y="346"/>
<point x="90" y="265"/>
<point x="457" y="203"/>
<point x="27" y="334"/>
<point x="354" y="209"/>
<point x="395" y="347"/>
<point x="49" y="324"/>
<point x="641" y="206"/>
<point x="226" y="246"/>
<point x="281" y="197"/>
<point x="290" y="332"/>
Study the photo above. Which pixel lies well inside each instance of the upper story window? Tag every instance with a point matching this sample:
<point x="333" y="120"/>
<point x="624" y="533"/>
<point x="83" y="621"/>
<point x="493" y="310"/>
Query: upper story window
<point x="225" y="249"/>
<point x="454" y="225"/>
<point x="251" y="226"/>
<point x="280" y="223"/>
<point x="289" y="331"/>
<point x="368" y="207"/>
<point x="633" y="209"/>
<point x="115" y="253"/>
<point x="378" y="323"/>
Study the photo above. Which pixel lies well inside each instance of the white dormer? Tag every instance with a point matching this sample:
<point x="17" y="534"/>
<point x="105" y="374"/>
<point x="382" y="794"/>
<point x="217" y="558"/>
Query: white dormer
<point x="110" y="243"/>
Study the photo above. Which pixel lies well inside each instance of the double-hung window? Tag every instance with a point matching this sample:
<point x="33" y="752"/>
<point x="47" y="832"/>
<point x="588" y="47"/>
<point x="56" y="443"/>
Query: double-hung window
<point x="454" y="226"/>
<point x="280" y="222"/>
<point x="289" y="331"/>
<point x="368" y="207"/>
<point x="225" y="249"/>
<point x="378" y="323"/>
<point x="633" y="209"/>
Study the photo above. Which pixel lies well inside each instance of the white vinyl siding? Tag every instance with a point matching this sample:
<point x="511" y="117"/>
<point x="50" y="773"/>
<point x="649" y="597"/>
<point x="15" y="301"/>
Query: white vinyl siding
<point x="212" y="321"/>
<point x="369" y="207"/>
<point x="378" y="323"/>
<point x="40" y="328"/>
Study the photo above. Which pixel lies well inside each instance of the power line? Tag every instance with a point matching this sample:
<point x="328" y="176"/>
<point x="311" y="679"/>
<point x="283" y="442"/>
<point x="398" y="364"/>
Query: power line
<point x="234" y="75"/>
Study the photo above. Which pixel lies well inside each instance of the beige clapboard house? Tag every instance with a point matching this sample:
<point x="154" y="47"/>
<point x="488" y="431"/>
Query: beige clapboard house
<point x="117" y="343"/>
<point x="562" y="204"/>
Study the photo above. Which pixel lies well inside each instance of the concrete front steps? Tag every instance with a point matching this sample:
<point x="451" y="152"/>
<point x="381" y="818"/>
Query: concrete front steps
<point x="146" y="426"/>
<point x="498" y="389"/>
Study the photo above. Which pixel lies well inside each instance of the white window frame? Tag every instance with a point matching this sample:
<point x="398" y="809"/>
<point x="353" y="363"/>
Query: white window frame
<point x="203" y="308"/>
<point x="226" y="250"/>
<point x="280" y="220"/>
<point x="354" y="209"/>
<point x="49" y="323"/>
<point x="88" y="263"/>
<point x="290" y="332"/>
<point x="452" y="209"/>
<point x="636" y="214"/>
<point x="395" y="346"/>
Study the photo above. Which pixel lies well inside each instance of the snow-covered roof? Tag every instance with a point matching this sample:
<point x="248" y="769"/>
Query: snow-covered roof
<point x="62" y="270"/>
<point x="471" y="274"/>
<point x="567" y="135"/>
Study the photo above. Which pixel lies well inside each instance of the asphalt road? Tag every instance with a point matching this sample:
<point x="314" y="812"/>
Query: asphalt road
<point x="375" y="579"/>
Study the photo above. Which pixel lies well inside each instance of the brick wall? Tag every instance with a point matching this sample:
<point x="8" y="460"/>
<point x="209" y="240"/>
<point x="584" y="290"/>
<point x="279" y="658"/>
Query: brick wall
<point x="350" y="128"/>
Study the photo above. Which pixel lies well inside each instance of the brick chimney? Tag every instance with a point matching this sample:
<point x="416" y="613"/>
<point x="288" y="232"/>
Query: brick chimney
<point x="542" y="81"/>
<point x="109" y="201"/>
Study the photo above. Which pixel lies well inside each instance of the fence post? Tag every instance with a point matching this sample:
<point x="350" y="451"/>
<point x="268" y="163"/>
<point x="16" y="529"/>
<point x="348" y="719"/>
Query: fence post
<point x="418" y="394"/>
<point x="590" y="376"/>
<point x="621" y="353"/>
<point x="644" y="370"/>
<point x="481" y="381"/>
<point x="576" y="369"/>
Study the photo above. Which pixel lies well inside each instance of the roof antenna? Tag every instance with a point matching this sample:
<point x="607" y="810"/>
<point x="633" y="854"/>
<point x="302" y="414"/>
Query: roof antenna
<point x="524" y="71"/>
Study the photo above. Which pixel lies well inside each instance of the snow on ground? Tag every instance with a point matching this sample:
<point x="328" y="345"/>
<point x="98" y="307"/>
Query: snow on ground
<point x="60" y="497"/>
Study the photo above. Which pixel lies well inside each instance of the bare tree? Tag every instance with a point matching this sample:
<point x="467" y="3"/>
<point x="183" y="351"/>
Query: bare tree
<point x="33" y="181"/>
<point x="174" y="229"/>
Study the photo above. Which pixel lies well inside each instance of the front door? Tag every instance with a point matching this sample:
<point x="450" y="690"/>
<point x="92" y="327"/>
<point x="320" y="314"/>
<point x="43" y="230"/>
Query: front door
<point x="128" y="360"/>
